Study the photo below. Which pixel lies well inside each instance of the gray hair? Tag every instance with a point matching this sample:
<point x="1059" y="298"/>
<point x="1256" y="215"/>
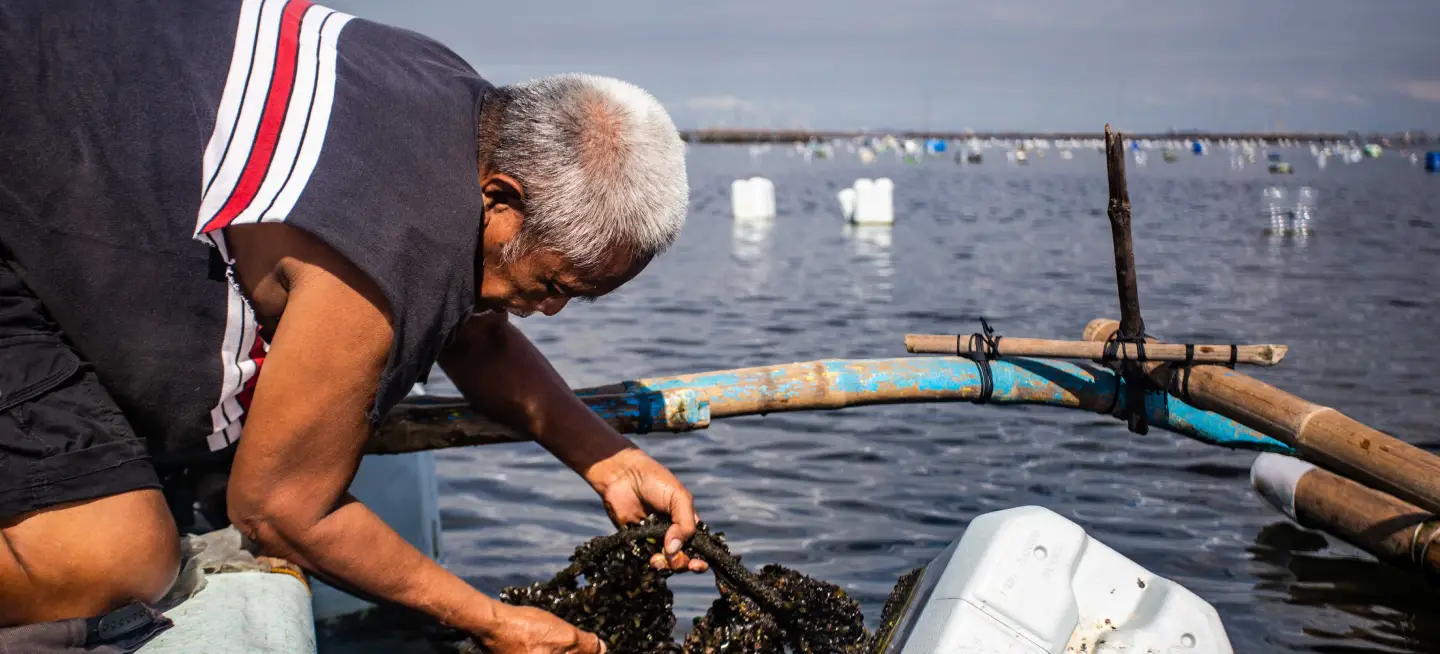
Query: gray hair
<point x="602" y="165"/>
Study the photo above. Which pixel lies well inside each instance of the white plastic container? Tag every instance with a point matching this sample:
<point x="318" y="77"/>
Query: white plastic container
<point x="752" y="199"/>
<point x="874" y="202"/>
<point x="1028" y="581"/>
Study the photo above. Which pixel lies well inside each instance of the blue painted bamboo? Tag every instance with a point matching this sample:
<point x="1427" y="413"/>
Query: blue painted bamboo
<point x="833" y="384"/>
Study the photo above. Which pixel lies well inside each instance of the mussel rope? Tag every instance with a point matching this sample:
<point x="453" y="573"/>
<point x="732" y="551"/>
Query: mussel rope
<point x="706" y="548"/>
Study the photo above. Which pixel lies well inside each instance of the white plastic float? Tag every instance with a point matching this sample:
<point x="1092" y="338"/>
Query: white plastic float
<point x="1028" y="581"/>
<point x="752" y="199"/>
<point x="869" y="202"/>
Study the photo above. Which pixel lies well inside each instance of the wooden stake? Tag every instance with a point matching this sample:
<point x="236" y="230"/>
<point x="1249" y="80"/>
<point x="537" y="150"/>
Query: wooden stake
<point x="1131" y="324"/>
<point x="1009" y="346"/>
<point x="1318" y="433"/>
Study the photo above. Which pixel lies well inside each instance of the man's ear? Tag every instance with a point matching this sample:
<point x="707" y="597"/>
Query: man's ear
<point x="504" y="199"/>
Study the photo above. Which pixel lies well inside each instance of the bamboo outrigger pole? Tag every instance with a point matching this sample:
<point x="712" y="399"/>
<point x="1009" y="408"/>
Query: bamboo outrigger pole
<point x="1010" y="346"/>
<point x="685" y="402"/>
<point x="1318" y="433"/>
<point x="1393" y="530"/>
<point x="450" y="422"/>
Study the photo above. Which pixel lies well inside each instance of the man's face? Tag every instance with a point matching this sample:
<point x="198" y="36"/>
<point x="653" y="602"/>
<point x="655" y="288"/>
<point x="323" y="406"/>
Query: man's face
<point x="539" y="280"/>
<point x="543" y="281"/>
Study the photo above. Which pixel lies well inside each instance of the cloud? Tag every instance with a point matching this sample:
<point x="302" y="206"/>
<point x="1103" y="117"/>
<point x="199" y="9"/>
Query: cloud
<point x="1419" y="89"/>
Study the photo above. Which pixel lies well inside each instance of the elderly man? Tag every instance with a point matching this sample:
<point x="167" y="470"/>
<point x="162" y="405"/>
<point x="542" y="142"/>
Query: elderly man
<point x="233" y="234"/>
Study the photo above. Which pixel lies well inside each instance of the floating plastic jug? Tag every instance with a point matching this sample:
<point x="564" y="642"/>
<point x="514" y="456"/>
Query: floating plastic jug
<point x="873" y="202"/>
<point x="752" y="199"/>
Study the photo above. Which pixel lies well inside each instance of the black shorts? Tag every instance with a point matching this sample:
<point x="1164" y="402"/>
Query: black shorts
<point x="62" y="439"/>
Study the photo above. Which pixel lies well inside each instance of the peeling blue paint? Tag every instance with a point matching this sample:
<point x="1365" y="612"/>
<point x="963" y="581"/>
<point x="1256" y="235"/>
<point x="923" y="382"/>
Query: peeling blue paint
<point x="1207" y="427"/>
<point x="647" y="409"/>
<point x="1016" y="381"/>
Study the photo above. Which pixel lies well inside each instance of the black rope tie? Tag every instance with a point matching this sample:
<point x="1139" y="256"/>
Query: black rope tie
<point x="982" y="348"/>
<point x="1234" y="356"/>
<point x="1185" y="378"/>
<point x="1136" y="383"/>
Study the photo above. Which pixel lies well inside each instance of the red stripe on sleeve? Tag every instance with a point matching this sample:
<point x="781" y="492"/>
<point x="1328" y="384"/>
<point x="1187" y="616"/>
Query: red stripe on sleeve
<point x="267" y="136"/>
<point x="257" y="354"/>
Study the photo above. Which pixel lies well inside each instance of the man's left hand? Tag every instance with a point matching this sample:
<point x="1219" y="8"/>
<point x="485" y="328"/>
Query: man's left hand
<point x="633" y="485"/>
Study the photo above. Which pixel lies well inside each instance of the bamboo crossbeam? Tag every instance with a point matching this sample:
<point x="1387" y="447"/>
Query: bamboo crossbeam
<point x="1393" y="530"/>
<point x="1318" y="433"/>
<point x="450" y="422"/>
<point x="1009" y="346"/>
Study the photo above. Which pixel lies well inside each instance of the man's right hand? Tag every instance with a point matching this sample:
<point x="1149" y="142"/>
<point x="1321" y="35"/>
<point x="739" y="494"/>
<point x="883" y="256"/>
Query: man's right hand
<point x="527" y="630"/>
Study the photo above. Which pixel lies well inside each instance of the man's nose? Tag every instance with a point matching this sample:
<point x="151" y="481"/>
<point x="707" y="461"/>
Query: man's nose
<point x="553" y="305"/>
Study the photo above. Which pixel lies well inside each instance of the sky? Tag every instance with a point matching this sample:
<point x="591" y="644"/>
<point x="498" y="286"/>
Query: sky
<point x="1325" y="65"/>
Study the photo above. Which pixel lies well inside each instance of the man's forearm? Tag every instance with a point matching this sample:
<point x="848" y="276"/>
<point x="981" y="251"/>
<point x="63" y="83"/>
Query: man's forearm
<point x="353" y="548"/>
<point x="506" y="378"/>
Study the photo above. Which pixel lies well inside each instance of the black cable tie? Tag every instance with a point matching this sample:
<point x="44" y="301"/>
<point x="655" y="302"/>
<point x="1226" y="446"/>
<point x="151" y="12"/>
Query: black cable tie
<point x="1112" y="343"/>
<point x="1137" y="384"/>
<point x="984" y="347"/>
<point x="1234" y="356"/>
<point x="1189" y="365"/>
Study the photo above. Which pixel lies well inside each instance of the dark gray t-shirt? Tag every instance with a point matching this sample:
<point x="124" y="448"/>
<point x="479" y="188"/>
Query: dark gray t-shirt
<point x="135" y="131"/>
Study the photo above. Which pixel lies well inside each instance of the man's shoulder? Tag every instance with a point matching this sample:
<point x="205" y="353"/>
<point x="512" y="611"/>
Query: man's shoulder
<point x="418" y="59"/>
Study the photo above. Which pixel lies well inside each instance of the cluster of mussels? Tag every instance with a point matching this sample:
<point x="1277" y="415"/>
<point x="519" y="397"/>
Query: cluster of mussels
<point x="611" y="590"/>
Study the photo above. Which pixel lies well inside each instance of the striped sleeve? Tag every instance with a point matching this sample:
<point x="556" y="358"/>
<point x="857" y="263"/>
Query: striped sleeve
<point x="273" y="114"/>
<point x="269" y="129"/>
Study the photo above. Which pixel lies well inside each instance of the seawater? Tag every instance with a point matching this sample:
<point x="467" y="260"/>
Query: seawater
<point x="859" y="496"/>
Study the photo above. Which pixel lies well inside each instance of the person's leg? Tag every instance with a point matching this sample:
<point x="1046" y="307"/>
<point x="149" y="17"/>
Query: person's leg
<point x="85" y="558"/>
<point x="83" y="525"/>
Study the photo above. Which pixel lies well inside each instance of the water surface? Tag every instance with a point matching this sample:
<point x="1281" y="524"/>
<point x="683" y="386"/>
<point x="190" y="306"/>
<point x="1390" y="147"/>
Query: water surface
<point x="859" y="496"/>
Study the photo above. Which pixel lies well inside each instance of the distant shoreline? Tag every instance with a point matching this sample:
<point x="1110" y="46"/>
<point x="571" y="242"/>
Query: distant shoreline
<point x="790" y="136"/>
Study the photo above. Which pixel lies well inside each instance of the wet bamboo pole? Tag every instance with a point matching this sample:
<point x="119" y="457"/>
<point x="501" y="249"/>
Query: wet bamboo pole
<point x="1393" y="530"/>
<point x="1318" y="433"/>
<point x="1009" y="346"/>
<point x="684" y="402"/>
<point x="450" y="422"/>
